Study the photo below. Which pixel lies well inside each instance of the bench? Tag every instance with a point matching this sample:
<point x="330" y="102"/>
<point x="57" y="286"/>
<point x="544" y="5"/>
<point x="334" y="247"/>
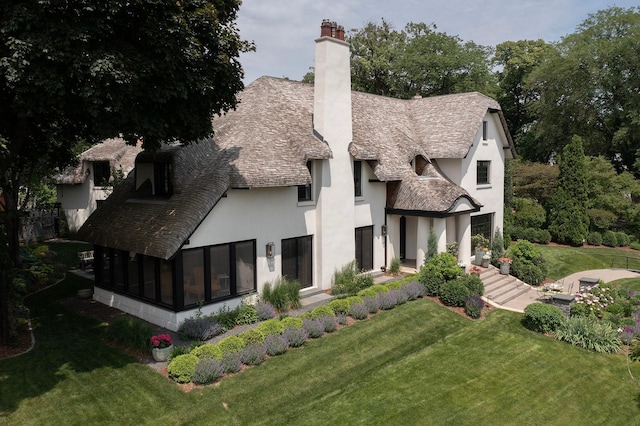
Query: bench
<point x="85" y="258"/>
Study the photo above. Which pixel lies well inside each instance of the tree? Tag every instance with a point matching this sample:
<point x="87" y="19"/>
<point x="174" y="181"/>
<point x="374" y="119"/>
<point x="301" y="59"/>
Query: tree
<point x="82" y="70"/>
<point x="534" y="180"/>
<point x="516" y="61"/>
<point x="416" y="61"/>
<point x="590" y="88"/>
<point x="569" y="223"/>
<point x="432" y="247"/>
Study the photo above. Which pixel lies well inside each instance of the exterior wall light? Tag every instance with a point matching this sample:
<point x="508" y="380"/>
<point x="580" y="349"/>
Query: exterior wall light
<point x="271" y="250"/>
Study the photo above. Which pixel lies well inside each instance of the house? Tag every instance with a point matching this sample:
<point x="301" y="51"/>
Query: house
<point x="298" y="181"/>
<point x="82" y="187"/>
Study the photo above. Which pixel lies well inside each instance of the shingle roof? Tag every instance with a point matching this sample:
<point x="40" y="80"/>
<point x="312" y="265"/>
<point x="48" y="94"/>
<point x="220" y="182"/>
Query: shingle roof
<point x="116" y="151"/>
<point x="266" y="142"/>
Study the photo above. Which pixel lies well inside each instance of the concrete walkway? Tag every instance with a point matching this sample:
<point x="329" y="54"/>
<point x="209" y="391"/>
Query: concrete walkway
<point x="507" y="292"/>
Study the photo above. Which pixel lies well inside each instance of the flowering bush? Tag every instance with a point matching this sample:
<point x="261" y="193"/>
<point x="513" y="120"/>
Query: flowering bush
<point x="161" y="341"/>
<point x="594" y="300"/>
<point x="505" y="260"/>
<point x="475" y="270"/>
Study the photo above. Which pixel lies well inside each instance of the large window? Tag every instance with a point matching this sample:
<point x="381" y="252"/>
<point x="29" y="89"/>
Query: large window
<point x="483" y="225"/>
<point x="364" y="248"/>
<point x="483" y="174"/>
<point x="304" y="191"/>
<point x="296" y="260"/>
<point x="205" y="274"/>
<point x="357" y="178"/>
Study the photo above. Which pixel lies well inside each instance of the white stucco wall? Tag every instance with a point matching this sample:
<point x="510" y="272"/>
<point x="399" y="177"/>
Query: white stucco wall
<point x="369" y="210"/>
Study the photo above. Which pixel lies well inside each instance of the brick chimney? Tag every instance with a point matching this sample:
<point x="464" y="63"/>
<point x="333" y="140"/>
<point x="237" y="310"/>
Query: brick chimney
<point x="332" y="121"/>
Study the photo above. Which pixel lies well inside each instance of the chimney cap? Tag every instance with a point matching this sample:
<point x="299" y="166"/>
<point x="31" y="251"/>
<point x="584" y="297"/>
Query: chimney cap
<point x="331" y="29"/>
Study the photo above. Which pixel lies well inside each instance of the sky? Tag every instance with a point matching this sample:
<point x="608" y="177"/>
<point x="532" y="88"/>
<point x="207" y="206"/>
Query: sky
<point x="284" y="30"/>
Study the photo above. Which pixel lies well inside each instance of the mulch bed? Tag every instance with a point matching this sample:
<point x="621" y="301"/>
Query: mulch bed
<point x="21" y="344"/>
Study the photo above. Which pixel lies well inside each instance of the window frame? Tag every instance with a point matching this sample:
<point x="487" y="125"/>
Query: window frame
<point x="303" y="259"/>
<point x="305" y="192"/>
<point x="361" y="249"/>
<point x="483" y="172"/>
<point x="485" y="130"/>
<point x="357" y="178"/>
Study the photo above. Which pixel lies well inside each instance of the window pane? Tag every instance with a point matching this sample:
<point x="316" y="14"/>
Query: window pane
<point x="220" y="271"/>
<point x="305" y="249"/>
<point x="482" y="224"/>
<point x="149" y="277"/>
<point x="134" y="276"/>
<point x="290" y="259"/>
<point x="357" y="178"/>
<point x="364" y="248"/>
<point x="482" y="172"/>
<point x="166" y="282"/>
<point x="245" y="267"/>
<point x="193" y="275"/>
<point x="304" y="191"/>
<point x="106" y="267"/>
<point x="118" y="268"/>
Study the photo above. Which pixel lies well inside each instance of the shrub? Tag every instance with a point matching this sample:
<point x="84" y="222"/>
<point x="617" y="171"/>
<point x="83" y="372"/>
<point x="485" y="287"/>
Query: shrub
<point x="372" y="304"/>
<point x="452" y="249"/>
<point x="207" y="350"/>
<point x="342" y="319"/>
<point x="253" y="354"/>
<point x="622" y="239"/>
<point x="314" y="327"/>
<point x="252" y="336"/>
<point x="246" y="314"/>
<point x="359" y="311"/>
<point x="265" y="310"/>
<point x="635" y="245"/>
<point x="199" y="328"/>
<point x="594" y="299"/>
<point x="130" y="332"/>
<point x="282" y="294"/>
<point x="414" y="290"/>
<point x="387" y="301"/>
<point x="319" y="312"/>
<point x="589" y="333"/>
<point x="473" y="283"/>
<point x="528" y="264"/>
<point x="473" y="306"/>
<point x="207" y="371"/>
<point x="291" y="322"/>
<point x="295" y="336"/>
<point x="454" y="293"/>
<point x="517" y="233"/>
<point x="394" y="268"/>
<point x="179" y="350"/>
<point x="181" y="368"/>
<point x="269" y="327"/>
<point x="528" y="213"/>
<point x="531" y="234"/>
<point x="543" y="318"/>
<point x="479" y="240"/>
<point x="497" y="247"/>
<point x="379" y="288"/>
<point x="610" y="239"/>
<point x="330" y="324"/>
<point x="226" y="317"/>
<point x="340" y="306"/>
<point x="275" y="345"/>
<point x="397" y="285"/>
<point x="231" y="344"/>
<point x="348" y="280"/>
<point x="442" y="267"/>
<point x="544" y="236"/>
<point x="367" y="292"/>
<point x="354" y="299"/>
<point x="400" y="295"/>
<point x="594" y="238"/>
<point x="232" y="362"/>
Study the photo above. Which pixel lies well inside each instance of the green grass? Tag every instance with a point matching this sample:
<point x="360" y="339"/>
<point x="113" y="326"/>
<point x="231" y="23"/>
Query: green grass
<point x="416" y="364"/>
<point x="628" y="283"/>
<point x="563" y="261"/>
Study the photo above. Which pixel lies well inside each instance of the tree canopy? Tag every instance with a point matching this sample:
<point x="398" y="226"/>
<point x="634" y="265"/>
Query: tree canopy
<point x="82" y="70"/>
<point x="418" y="60"/>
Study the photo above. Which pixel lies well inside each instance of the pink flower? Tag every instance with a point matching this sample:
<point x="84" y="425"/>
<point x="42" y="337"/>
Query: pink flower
<point x="161" y="341"/>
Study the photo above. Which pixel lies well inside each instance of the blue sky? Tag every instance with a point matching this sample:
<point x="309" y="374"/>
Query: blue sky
<point x="284" y="30"/>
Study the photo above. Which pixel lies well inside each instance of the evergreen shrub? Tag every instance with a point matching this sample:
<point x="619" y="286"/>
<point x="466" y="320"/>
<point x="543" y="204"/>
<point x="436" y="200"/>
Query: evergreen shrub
<point x="182" y="367"/>
<point x="454" y="293"/>
<point x="543" y="318"/>
<point x="271" y="326"/>
<point x="610" y="239"/>
<point x="208" y="350"/>
<point x="594" y="238"/>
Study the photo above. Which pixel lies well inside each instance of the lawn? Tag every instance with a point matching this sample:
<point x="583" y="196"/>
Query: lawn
<point x="417" y="364"/>
<point x="563" y="261"/>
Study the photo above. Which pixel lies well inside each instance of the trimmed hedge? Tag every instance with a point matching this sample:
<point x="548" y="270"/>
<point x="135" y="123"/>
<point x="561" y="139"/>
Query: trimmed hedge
<point x="182" y="367"/>
<point x="543" y="318"/>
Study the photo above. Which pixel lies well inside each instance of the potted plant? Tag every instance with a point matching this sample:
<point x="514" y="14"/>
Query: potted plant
<point x="486" y="258"/>
<point x="475" y="270"/>
<point x="480" y="244"/>
<point x="161" y="347"/>
<point x="505" y="263"/>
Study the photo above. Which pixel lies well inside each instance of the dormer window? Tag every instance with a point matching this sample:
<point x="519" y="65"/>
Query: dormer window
<point x="163" y="179"/>
<point x="101" y="173"/>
